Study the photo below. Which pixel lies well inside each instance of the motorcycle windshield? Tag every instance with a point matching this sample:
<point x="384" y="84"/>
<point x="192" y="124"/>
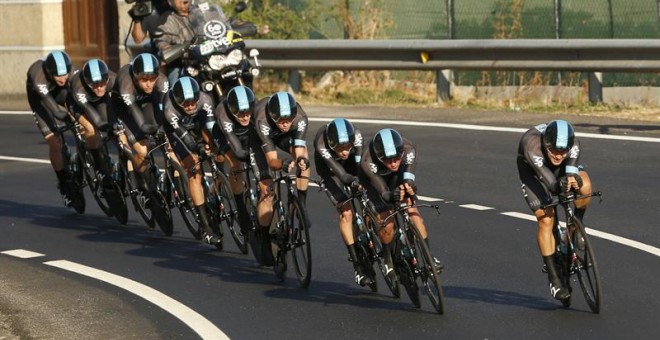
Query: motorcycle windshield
<point x="209" y="22"/>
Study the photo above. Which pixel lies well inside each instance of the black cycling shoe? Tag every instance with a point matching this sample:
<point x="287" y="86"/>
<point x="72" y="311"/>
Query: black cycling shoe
<point x="66" y="191"/>
<point x="211" y="239"/>
<point x="559" y="292"/>
<point x="361" y="278"/>
<point x="437" y="264"/>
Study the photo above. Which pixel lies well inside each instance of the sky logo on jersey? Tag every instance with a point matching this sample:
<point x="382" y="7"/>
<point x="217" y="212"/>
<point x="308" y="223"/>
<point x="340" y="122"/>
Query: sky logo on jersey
<point x="358" y="139"/>
<point x="373" y="167"/>
<point x="82" y="97"/>
<point x="43" y="88"/>
<point x="127" y="99"/>
<point x="302" y="126"/>
<point x="325" y="153"/>
<point x="265" y="130"/>
<point x="538" y="161"/>
<point x="229" y="127"/>
<point x="410" y="158"/>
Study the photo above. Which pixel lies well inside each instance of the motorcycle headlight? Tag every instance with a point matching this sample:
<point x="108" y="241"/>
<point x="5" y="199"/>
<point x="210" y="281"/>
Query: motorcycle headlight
<point x="217" y="62"/>
<point x="234" y="57"/>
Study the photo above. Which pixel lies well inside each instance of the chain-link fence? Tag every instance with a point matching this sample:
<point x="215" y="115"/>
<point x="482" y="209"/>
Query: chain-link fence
<point x="485" y="19"/>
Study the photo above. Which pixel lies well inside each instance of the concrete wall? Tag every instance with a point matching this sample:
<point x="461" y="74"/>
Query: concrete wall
<point x="30" y="29"/>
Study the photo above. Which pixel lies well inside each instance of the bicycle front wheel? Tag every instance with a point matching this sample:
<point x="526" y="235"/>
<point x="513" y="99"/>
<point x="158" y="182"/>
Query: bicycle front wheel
<point x="428" y="273"/>
<point x="182" y="200"/>
<point x="301" y="247"/>
<point x="586" y="267"/>
<point x="229" y="212"/>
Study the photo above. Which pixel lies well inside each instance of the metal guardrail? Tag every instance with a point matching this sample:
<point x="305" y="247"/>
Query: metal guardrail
<point x="578" y="55"/>
<point x="616" y="55"/>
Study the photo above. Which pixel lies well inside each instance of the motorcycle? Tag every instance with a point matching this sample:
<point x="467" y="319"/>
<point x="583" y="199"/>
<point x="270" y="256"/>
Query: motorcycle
<point x="216" y="58"/>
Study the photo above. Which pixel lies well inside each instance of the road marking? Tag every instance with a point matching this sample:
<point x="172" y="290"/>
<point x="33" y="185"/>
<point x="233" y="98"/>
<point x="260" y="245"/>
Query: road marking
<point x="23" y="159"/>
<point x="22" y="253"/>
<point x="484" y="128"/>
<point x="203" y="327"/>
<point x="475" y="207"/>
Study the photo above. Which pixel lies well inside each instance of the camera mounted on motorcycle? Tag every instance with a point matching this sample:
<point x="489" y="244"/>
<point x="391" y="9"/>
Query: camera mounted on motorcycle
<point x="142" y="8"/>
<point x="208" y="86"/>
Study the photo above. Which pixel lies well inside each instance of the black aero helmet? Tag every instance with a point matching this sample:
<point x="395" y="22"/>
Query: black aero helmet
<point x="144" y="64"/>
<point x="240" y="99"/>
<point x="185" y="89"/>
<point x="388" y="144"/>
<point x="339" y="132"/>
<point x="558" y="135"/>
<point x="58" y="63"/>
<point x="95" y="71"/>
<point x="282" y="105"/>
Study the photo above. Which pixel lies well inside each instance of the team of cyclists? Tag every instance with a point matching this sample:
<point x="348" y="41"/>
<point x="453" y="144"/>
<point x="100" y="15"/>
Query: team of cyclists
<point x="139" y="102"/>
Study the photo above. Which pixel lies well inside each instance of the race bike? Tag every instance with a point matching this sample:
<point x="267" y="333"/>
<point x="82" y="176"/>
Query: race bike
<point x="216" y="58"/>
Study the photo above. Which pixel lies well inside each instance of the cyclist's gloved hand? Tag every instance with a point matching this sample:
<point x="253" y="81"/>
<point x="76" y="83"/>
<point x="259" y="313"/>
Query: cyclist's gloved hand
<point x="160" y="133"/>
<point x="302" y="163"/>
<point x="570" y="182"/>
<point x="393" y="196"/>
<point x="286" y="164"/>
<point x="348" y="179"/>
<point x="410" y="187"/>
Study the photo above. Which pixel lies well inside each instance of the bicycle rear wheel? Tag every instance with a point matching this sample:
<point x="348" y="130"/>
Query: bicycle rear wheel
<point x="402" y="264"/>
<point x="361" y="250"/>
<point x="93" y="183"/>
<point x="301" y="246"/>
<point x="586" y="267"/>
<point x="229" y="213"/>
<point x="428" y="273"/>
<point x="76" y="166"/>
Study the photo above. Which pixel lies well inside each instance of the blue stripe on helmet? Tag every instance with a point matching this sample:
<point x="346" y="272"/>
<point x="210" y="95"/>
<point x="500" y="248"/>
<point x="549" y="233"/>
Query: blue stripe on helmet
<point x="388" y="142"/>
<point x="149" y="66"/>
<point x="562" y="135"/>
<point x="285" y="108"/>
<point x="342" y="131"/>
<point x="242" y="98"/>
<point x="187" y="88"/>
<point x="60" y="63"/>
<point x="95" y="70"/>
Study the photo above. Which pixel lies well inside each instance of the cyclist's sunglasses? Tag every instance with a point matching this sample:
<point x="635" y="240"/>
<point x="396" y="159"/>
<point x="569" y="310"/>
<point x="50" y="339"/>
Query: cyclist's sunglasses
<point x="558" y="152"/>
<point x="241" y="114"/>
<point x="100" y="83"/>
<point x="189" y="102"/>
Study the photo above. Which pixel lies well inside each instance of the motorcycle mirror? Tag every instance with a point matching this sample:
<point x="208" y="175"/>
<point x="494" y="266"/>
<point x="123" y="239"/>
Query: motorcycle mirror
<point x="174" y="53"/>
<point x="240" y="7"/>
<point x="254" y="52"/>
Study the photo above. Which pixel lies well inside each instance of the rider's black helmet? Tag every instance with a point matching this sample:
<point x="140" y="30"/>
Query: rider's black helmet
<point x="144" y="64"/>
<point x="58" y="63"/>
<point x="185" y="89"/>
<point x="388" y="144"/>
<point x="339" y="132"/>
<point x="94" y="72"/>
<point x="281" y="105"/>
<point x="240" y="99"/>
<point x="558" y="135"/>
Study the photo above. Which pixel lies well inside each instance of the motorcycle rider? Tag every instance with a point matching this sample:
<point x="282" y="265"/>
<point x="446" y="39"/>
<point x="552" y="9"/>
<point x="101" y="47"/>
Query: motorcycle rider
<point x="177" y="29"/>
<point x="47" y="89"/>
<point x="90" y="101"/>
<point x="141" y="89"/>
<point x="189" y="113"/>
<point x="280" y="122"/>
<point x="235" y="121"/>
<point x="337" y="154"/>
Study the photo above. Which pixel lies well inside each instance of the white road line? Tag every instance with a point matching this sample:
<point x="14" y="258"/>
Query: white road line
<point x="519" y="215"/>
<point x="205" y="328"/>
<point x="22" y="253"/>
<point x="23" y="159"/>
<point x="475" y="207"/>
<point x="485" y="128"/>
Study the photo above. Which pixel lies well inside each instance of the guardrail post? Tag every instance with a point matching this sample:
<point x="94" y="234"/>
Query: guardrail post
<point x="595" y="87"/>
<point x="295" y="81"/>
<point x="443" y="85"/>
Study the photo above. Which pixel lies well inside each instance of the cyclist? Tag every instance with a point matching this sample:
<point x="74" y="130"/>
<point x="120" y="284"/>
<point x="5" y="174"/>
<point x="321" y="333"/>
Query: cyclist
<point x="47" y="89"/>
<point x="189" y="113"/>
<point x="548" y="156"/>
<point x="387" y="171"/>
<point x="141" y="89"/>
<point x="337" y="153"/>
<point x="280" y="122"/>
<point x="89" y="101"/>
<point x="234" y="117"/>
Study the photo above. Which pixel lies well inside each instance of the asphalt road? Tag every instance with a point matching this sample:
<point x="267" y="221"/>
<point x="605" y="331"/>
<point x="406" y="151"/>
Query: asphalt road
<point x="493" y="284"/>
